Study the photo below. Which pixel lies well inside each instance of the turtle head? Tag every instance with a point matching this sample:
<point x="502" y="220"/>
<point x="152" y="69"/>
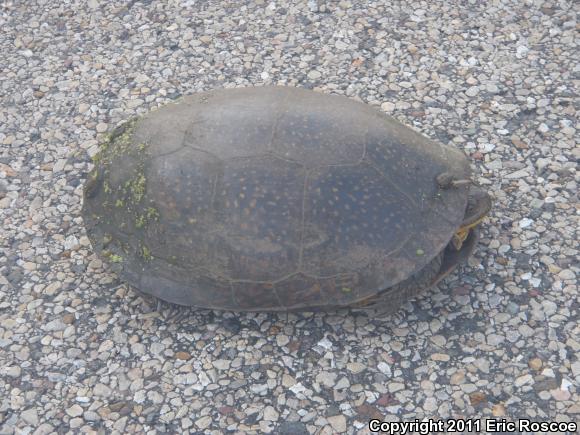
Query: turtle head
<point x="478" y="207"/>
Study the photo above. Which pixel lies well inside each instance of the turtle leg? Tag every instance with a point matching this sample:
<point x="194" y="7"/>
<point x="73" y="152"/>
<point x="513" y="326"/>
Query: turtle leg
<point x="390" y="300"/>
<point x="453" y="257"/>
<point x="457" y="251"/>
<point x="166" y="310"/>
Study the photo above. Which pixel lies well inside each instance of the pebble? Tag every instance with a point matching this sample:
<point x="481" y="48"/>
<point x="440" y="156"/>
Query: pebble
<point x="54" y="325"/>
<point x="498" y="410"/>
<point x="59" y="165"/>
<point x="396" y="386"/>
<point x="184" y="356"/>
<point x="472" y="91"/>
<point x="102" y="127"/>
<point x="384" y="368"/>
<point x="203" y="422"/>
<point x="282" y="340"/>
<point x="12" y="371"/>
<point x="338" y="423"/>
<point x="560" y="395"/>
<point x="75" y="411"/>
<point x="356" y="367"/>
<point x="221" y="364"/>
<point x="430" y="404"/>
<point x="535" y="363"/>
<point x="30" y="416"/>
<point x="518" y="143"/>
<point x="457" y="378"/>
<point x="101" y="390"/>
<point x="314" y="75"/>
<point x="440" y="357"/>
<point x="523" y="380"/>
<point x="522" y="173"/>
<point x="575" y="366"/>
<point x="270" y="414"/>
<point x="388" y="107"/>
<point x="567" y="274"/>
<point x="327" y="379"/>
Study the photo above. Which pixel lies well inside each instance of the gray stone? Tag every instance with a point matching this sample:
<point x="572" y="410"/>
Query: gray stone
<point x="221" y="364"/>
<point x="270" y="414"/>
<point x="472" y="91"/>
<point x="74" y="411"/>
<point x="338" y="423"/>
<point x="30" y="416"/>
<point x="314" y="75"/>
<point x="575" y="366"/>
<point x="12" y="371"/>
<point x="101" y="390"/>
<point x="203" y="422"/>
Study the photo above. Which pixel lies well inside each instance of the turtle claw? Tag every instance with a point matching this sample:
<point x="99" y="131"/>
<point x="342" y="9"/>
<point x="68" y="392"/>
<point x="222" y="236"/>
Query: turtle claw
<point x="174" y="313"/>
<point x="180" y="315"/>
<point x="378" y="310"/>
<point x="166" y="310"/>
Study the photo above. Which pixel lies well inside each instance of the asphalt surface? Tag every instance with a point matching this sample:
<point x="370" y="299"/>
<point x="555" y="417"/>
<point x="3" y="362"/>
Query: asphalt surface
<point x="499" y="338"/>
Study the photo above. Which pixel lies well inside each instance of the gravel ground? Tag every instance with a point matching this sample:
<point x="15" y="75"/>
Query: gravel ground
<point x="81" y="352"/>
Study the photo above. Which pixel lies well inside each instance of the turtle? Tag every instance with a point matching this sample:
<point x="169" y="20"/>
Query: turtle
<point x="279" y="198"/>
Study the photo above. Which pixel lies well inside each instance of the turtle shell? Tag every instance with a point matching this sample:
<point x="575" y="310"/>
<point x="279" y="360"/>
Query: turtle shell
<point x="270" y="198"/>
